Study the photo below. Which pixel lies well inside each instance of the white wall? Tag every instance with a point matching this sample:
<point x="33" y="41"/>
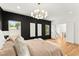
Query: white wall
<point x="53" y="29"/>
<point x="70" y="32"/>
<point x="76" y="33"/>
<point x="72" y="22"/>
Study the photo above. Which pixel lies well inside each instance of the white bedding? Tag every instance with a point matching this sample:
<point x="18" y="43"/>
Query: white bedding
<point x="2" y="40"/>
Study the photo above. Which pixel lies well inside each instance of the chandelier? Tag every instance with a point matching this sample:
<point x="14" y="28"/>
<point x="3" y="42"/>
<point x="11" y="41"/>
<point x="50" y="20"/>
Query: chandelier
<point x="39" y="13"/>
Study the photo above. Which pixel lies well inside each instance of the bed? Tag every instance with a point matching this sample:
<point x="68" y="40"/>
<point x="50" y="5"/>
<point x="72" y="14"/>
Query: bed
<point x="35" y="47"/>
<point x="43" y="48"/>
<point x="8" y="49"/>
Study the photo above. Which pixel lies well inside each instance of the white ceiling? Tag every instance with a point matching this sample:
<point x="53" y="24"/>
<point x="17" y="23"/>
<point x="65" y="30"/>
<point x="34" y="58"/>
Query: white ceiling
<point x="55" y="10"/>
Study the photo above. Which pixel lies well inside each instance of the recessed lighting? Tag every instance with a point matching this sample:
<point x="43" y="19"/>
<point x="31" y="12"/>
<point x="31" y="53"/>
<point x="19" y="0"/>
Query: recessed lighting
<point x="18" y="7"/>
<point x="70" y="12"/>
<point x="53" y="18"/>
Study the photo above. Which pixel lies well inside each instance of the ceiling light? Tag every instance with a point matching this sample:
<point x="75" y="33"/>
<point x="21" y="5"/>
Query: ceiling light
<point x="18" y="7"/>
<point x="39" y="13"/>
<point x="70" y="12"/>
<point x="53" y="18"/>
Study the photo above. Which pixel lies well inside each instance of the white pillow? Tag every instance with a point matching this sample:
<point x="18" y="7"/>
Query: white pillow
<point x="2" y="40"/>
<point x="40" y="39"/>
<point x="13" y="34"/>
<point x="35" y="39"/>
<point x="21" y="47"/>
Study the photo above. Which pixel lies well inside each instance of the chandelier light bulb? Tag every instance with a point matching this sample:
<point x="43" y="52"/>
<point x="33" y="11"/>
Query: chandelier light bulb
<point x="39" y="13"/>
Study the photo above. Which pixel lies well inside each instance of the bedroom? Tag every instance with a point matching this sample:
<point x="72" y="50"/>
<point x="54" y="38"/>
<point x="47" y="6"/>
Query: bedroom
<point x="24" y="33"/>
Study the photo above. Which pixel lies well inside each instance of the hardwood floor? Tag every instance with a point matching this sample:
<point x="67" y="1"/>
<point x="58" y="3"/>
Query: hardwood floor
<point x="68" y="49"/>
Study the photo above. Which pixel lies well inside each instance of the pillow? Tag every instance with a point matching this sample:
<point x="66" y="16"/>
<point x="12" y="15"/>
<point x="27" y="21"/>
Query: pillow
<point x="21" y="47"/>
<point x="2" y="40"/>
<point x="35" y="39"/>
<point x="13" y="34"/>
<point x="40" y="39"/>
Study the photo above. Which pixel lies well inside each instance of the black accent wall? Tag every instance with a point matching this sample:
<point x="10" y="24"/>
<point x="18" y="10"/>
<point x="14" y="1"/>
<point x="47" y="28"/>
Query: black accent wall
<point x="25" y="24"/>
<point x="0" y="18"/>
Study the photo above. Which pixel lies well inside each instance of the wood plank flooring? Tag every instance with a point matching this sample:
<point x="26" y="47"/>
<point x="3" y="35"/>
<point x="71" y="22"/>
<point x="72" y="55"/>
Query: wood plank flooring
<point x="68" y="49"/>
